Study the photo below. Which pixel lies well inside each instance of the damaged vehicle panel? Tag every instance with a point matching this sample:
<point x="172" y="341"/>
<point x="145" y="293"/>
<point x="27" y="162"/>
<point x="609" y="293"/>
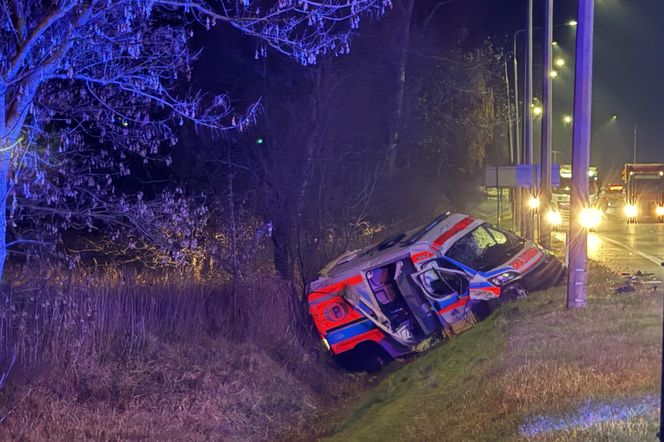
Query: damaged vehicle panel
<point x="400" y="295"/>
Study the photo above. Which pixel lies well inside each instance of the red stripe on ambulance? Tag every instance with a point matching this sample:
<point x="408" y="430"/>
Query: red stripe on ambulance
<point x="458" y="227"/>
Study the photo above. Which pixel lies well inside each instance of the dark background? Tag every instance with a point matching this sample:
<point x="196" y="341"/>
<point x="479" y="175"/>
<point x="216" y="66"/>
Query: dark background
<point x="628" y="70"/>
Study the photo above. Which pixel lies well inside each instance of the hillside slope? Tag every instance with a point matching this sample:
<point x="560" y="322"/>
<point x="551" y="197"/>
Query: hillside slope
<point x="533" y="370"/>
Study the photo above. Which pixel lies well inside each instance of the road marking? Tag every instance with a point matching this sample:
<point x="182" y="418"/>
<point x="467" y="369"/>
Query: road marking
<point x="656" y="260"/>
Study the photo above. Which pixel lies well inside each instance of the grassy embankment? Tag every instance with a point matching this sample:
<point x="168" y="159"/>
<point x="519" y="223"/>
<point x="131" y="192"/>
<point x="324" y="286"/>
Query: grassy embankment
<point x="533" y="370"/>
<point x="128" y="356"/>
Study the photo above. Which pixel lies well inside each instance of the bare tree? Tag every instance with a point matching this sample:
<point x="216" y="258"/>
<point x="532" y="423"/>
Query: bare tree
<point x="90" y="87"/>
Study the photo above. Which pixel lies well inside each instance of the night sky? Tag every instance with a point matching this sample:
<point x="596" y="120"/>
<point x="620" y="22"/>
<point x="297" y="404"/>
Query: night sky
<point x="628" y="74"/>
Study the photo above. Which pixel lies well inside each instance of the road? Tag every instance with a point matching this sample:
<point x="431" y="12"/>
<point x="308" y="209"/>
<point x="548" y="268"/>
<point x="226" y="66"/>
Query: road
<point x="629" y="247"/>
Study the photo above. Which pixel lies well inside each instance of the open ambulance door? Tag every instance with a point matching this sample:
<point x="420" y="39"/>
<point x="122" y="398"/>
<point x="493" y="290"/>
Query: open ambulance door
<point x="366" y="303"/>
<point x="448" y="291"/>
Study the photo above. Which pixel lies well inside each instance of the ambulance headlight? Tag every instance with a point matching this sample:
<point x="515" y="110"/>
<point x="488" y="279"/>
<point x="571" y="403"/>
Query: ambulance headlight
<point x="631" y="210"/>
<point x="659" y="211"/>
<point x="503" y="278"/>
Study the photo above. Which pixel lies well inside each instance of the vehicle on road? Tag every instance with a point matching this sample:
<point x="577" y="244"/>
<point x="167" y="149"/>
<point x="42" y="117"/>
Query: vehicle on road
<point x="399" y="296"/>
<point x="560" y="195"/>
<point x="611" y="196"/>
<point x="644" y="191"/>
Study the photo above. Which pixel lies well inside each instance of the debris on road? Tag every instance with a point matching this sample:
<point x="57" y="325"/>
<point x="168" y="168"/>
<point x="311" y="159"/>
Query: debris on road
<point x="639" y="282"/>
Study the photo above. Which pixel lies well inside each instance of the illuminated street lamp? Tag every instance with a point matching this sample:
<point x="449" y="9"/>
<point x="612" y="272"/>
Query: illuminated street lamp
<point x="572" y="23"/>
<point x="560" y="62"/>
<point x="537" y="110"/>
<point x="567" y="119"/>
<point x="553" y="74"/>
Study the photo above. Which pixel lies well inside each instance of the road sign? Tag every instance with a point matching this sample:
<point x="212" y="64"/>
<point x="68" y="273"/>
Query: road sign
<point x="518" y="176"/>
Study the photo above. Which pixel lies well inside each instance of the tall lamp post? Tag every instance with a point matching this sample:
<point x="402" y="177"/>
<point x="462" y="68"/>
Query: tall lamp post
<point x="577" y="276"/>
<point x="520" y="155"/>
<point x="526" y="217"/>
<point x="547" y="105"/>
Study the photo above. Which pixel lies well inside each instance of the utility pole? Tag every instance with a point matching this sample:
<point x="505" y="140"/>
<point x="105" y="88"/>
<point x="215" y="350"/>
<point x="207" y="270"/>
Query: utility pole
<point x="508" y="95"/>
<point x="517" y="203"/>
<point x="526" y="218"/>
<point x="510" y="138"/>
<point x="577" y="274"/>
<point x="547" y="106"/>
<point x="517" y="131"/>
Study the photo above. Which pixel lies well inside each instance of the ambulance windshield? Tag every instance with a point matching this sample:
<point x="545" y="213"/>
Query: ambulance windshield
<point x="485" y="247"/>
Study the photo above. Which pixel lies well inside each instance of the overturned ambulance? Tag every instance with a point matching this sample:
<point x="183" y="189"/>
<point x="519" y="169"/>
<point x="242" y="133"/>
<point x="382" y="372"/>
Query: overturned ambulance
<point x="400" y="295"/>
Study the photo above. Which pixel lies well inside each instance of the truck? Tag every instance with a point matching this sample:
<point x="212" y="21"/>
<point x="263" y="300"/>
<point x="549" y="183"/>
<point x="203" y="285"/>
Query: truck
<point x="644" y="191"/>
<point x="560" y="195"/>
<point x="400" y="295"/>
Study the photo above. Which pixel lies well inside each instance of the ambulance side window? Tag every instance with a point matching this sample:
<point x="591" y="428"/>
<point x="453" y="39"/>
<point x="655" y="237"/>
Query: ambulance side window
<point x="445" y="264"/>
<point x="440" y="284"/>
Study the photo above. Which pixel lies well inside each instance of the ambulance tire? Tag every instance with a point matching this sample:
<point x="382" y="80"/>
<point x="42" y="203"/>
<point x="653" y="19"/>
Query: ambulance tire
<point x="366" y="356"/>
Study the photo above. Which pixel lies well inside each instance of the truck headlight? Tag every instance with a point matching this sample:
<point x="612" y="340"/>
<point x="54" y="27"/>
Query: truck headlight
<point x="631" y="210"/>
<point x="659" y="211"/>
<point x="503" y="278"/>
<point x="554" y="218"/>
<point x="590" y="217"/>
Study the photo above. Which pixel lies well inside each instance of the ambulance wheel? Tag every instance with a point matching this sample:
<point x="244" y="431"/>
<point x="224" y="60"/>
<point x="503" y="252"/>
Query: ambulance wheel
<point x="483" y="309"/>
<point x="366" y="356"/>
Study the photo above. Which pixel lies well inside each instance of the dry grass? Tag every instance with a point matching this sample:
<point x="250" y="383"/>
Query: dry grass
<point x="533" y="359"/>
<point x="211" y="390"/>
<point x="124" y="356"/>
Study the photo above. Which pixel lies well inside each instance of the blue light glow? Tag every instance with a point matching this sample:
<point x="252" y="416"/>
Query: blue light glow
<point x="591" y="413"/>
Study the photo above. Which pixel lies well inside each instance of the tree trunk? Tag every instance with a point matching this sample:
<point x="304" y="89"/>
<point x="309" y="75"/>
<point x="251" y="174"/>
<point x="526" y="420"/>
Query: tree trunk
<point x="393" y="143"/>
<point x="312" y="146"/>
<point x="4" y="188"/>
<point x="282" y="258"/>
<point x="5" y="156"/>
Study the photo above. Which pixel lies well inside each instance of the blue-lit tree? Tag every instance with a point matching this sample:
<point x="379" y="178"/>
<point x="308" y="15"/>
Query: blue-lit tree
<point x="89" y="89"/>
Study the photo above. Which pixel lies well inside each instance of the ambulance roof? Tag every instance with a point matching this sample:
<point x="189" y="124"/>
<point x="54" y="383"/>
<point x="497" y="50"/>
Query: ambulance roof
<point x="436" y="236"/>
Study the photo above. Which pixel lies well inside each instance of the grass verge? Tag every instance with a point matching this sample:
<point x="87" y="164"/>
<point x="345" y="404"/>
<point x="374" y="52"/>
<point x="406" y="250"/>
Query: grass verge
<point x="531" y="364"/>
<point x="128" y="356"/>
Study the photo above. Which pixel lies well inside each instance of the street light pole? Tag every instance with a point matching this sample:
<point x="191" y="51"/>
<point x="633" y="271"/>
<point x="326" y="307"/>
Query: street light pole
<point x="521" y="196"/>
<point x="517" y="203"/>
<point x="547" y="106"/>
<point x="526" y="219"/>
<point x="516" y="98"/>
<point x="509" y="112"/>
<point x="577" y="275"/>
